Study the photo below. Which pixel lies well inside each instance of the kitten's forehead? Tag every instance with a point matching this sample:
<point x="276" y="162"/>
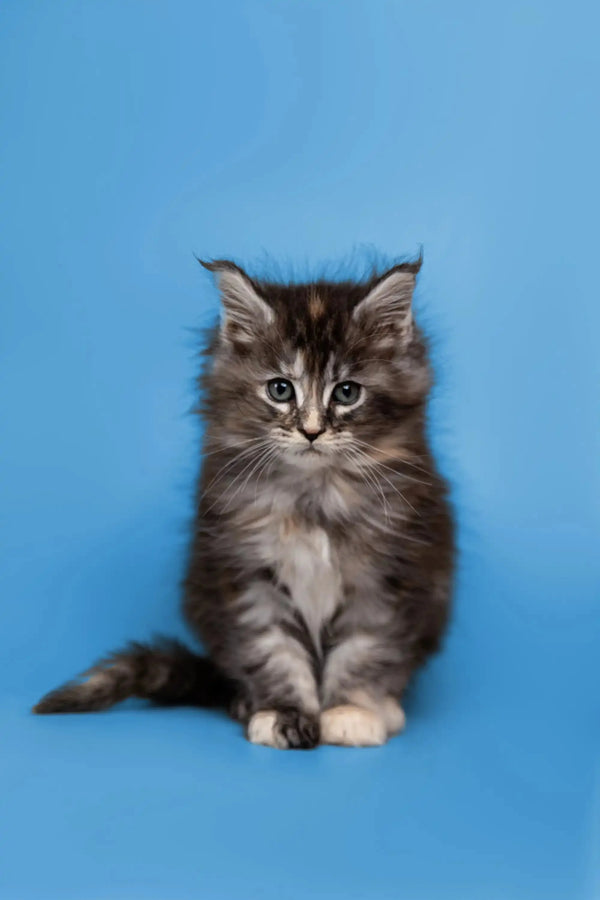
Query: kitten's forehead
<point x="305" y="367"/>
<point x="297" y="368"/>
<point x="321" y="331"/>
<point x="316" y="305"/>
<point x="313" y="322"/>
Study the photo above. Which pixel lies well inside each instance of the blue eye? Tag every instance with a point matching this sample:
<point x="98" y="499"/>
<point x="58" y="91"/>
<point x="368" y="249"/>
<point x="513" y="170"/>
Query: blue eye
<point x="346" y="393"/>
<point x="280" y="390"/>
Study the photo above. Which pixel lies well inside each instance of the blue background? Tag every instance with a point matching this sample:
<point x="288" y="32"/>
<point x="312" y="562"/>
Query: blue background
<point x="134" y="134"/>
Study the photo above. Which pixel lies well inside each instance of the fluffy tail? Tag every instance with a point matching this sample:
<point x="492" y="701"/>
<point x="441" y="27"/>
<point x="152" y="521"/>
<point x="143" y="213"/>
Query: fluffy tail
<point x="165" y="672"/>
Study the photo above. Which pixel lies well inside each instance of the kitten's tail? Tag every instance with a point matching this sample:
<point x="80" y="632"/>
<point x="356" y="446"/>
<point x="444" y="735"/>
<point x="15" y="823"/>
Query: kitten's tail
<point x="165" y="672"/>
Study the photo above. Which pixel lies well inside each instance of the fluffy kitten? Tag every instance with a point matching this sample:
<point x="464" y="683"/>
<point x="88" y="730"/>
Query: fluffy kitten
<point x="320" y="570"/>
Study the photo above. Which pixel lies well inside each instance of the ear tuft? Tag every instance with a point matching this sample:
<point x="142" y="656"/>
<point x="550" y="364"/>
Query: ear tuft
<point x="218" y="265"/>
<point x="387" y="306"/>
<point x="246" y="314"/>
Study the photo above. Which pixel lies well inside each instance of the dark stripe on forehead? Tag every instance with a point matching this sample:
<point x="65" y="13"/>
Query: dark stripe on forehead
<point x="314" y="320"/>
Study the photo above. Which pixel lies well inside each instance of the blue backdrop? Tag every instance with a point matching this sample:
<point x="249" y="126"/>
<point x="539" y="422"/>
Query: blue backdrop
<point x="135" y="134"/>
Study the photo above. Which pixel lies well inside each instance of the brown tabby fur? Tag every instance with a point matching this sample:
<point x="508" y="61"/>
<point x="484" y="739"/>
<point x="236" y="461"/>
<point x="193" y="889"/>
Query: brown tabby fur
<point x="321" y="563"/>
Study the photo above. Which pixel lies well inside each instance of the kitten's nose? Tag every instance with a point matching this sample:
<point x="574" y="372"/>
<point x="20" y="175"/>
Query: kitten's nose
<point x="311" y="435"/>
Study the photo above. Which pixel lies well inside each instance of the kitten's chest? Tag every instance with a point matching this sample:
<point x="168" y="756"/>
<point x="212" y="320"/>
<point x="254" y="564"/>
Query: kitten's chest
<point x="307" y="565"/>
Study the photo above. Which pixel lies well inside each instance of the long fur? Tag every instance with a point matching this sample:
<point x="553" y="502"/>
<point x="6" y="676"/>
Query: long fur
<point x="320" y="570"/>
<point x="167" y="673"/>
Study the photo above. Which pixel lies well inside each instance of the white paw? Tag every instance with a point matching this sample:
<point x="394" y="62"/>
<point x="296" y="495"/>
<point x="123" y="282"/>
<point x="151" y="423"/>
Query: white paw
<point x="352" y="726"/>
<point x="393" y="714"/>
<point x="387" y="707"/>
<point x="261" y="730"/>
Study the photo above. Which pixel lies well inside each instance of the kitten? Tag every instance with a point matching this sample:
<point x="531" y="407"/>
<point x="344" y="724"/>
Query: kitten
<point x="321" y="563"/>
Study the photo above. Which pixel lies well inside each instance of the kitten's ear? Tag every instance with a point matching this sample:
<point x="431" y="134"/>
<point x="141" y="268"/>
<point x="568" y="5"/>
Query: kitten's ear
<point x="387" y="307"/>
<point x="245" y="313"/>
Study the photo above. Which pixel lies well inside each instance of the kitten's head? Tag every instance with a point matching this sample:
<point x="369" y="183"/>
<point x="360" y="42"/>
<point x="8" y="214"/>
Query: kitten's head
<point x="319" y="374"/>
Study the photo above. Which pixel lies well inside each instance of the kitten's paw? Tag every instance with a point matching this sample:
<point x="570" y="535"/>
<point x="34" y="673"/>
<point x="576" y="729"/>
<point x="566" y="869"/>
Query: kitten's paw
<point x="393" y="714"/>
<point x="300" y="730"/>
<point x="284" y="729"/>
<point x="262" y="730"/>
<point x="386" y="707"/>
<point x="352" y="726"/>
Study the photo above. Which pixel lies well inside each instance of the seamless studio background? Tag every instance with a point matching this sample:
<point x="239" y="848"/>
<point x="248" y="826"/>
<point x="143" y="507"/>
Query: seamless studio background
<point x="134" y="135"/>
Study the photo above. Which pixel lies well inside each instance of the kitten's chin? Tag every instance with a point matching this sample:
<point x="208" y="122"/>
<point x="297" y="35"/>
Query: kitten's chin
<point x="308" y="459"/>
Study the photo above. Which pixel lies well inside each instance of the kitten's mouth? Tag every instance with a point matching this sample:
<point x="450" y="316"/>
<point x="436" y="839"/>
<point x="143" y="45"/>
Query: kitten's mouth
<point x="308" y="458"/>
<point x="311" y="449"/>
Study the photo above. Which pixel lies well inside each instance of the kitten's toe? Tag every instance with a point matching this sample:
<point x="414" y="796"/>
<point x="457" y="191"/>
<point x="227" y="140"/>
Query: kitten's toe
<point x="300" y="730"/>
<point x="284" y="729"/>
<point x="353" y="726"/>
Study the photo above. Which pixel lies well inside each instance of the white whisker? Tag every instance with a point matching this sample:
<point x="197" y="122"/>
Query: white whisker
<point x="257" y="463"/>
<point x="374" y="465"/>
<point x="237" y="458"/>
<point x="270" y="459"/>
<point x="404" y="462"/>
<point x="226" y="447"/>
<point x="228" y="487"/>
<point x="368" y="480"/>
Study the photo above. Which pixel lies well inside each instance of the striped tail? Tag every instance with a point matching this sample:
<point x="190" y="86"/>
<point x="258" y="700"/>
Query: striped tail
<point x="165" y="672"/>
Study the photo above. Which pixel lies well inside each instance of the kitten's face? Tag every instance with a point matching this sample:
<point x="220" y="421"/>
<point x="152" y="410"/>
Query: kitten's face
<point x="314" y="409"/>
<point x="316" y="375"/>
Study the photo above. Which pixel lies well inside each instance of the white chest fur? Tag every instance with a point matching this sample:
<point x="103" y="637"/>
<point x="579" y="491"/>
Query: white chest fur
<point x="305" y="562"/>
<point x="306" y="565"/>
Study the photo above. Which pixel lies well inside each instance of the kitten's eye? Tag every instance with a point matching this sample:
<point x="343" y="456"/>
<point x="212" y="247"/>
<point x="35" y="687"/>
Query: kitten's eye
<point x="280" y="390"/>
<point x="346" y="393"/>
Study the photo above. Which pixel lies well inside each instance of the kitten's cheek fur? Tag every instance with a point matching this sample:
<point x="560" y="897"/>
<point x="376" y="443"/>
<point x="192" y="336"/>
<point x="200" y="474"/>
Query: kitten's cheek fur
<point x="287" y="729"/>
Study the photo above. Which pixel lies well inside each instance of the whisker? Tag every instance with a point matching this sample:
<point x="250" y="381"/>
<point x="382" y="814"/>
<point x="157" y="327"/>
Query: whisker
<point x="405" y="536"/>
<point x="265" y="453"/>
<point x="403" y="462"/>
<point x="366" y="477"/>
<point x="237" y="477"/>
<point x="268" y="462"/>
<point x="385" y="478"/>
<point x="231" y="446"/>
<point x="379" y="465"/>
<point x="237" y="458"/>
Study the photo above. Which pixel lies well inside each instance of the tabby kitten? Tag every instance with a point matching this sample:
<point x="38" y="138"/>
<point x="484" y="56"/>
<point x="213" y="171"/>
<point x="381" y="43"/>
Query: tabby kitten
<point x="321" y="563"/>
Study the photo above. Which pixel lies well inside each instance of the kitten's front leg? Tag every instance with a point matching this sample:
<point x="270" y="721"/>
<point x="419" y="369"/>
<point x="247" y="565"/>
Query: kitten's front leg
<point x="358" y="708"/>
<point x="285" y="703"/>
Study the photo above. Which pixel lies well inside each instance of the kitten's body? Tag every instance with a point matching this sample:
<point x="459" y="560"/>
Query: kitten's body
<point x="321" y="562"/>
